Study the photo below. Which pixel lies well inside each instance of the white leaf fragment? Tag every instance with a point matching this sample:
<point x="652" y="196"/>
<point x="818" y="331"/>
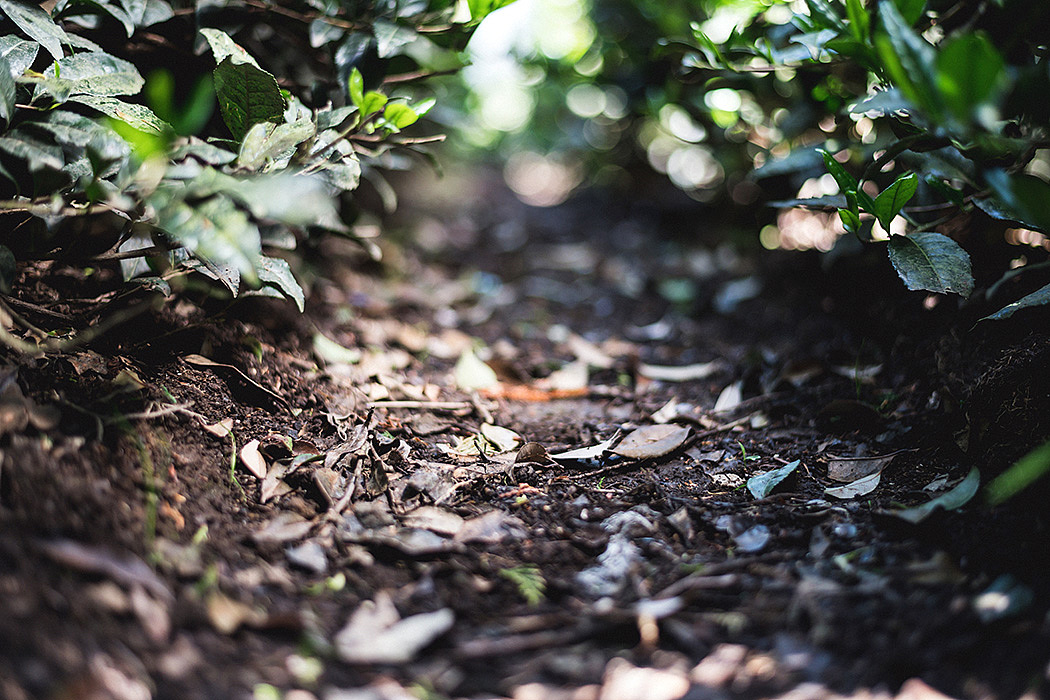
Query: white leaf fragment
<point x="377" y="634"/>
<point x="860" y="487"/>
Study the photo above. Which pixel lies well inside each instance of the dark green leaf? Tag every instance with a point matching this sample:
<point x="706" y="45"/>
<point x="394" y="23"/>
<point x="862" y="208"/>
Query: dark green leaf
<point x="952" y="499"/>
<point x="1024" y="472"/>
<point x="135" y="115"/>
<point x="859" y="19"/>
<point x="1040" y="297"/>
<point x="850" y="220"/>
<point x="891" y="200"/>
<point x="1019" y="197"/>
<point x="911" y="10"/>
<point x="277" y="273"/>
<point x="37" y="24"/>
<point x="247" y="96"/>
<point x="909" y="59"/>
<point x="931" y="262"/>
<point x="969" y="71"/>
<point x="824" y="16"/>
<point x="848" y="184"/>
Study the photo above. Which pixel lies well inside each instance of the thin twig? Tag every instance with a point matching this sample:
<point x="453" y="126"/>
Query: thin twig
<point x="55" y="345"/>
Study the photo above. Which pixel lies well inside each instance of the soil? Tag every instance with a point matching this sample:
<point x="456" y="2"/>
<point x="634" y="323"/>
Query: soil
<point x="208" y="502"/>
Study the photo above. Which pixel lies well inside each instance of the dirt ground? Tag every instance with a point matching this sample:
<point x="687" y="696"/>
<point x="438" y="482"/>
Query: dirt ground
<point x="398" y="494"/>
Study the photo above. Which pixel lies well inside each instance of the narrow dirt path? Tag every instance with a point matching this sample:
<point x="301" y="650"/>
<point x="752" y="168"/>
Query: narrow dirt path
<point x="544" y="454"/>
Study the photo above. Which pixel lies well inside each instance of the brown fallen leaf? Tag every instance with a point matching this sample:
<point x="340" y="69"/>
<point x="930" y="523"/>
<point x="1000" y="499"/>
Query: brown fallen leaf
<point x="652" y="441"/>
<point x="848" y="469"/>
<point x="253" y="460"/>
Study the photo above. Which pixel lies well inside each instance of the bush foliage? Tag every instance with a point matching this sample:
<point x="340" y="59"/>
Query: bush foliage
<point x="109" y="147"/>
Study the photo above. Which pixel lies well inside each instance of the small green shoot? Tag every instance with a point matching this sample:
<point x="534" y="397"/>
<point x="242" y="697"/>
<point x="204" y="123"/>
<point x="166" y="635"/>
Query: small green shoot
<point x="744" y="455"/>
<point x="529" y="580"/>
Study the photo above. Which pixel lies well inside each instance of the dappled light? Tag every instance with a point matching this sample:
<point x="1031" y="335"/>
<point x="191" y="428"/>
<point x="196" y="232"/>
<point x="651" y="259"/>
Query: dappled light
<point x="524" y="350"/>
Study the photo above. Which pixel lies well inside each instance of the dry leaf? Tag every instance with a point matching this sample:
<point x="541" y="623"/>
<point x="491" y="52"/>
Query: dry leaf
<point x="730" y="397"/>
<point x="253" y="460"/>
<point x="652" y="441"/>
<point x="860" y="487"/>
<point x="848" y="469"/>
<point x="685" y="373"/>
<point x="221" y="429"/>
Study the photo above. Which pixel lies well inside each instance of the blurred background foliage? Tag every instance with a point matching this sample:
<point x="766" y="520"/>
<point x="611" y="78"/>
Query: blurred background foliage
<point x="733" y="101"/>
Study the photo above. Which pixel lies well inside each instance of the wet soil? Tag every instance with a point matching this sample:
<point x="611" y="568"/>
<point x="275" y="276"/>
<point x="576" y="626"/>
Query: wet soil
<point x="211" y="502"/>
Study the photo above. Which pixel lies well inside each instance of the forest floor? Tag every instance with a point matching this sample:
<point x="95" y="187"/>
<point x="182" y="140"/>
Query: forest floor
<point x="532" y="454"/>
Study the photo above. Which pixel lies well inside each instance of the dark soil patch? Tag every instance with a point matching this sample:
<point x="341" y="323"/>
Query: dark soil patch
<point x="134" y="562"/>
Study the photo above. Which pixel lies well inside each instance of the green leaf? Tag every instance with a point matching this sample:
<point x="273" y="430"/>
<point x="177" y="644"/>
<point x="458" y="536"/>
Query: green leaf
<point x="1024" y="472"/>
<point x="266" y="142"/>
<point x="848" y="184"/>
<point x="761" y="485"/>
<point x="90" y="74"/>
<point x="909" y="59"/>
<point x="37" y="155"/>
<point x="371" y="103"/>
<point x="399" y="116"/>
<point x="1022" y="198"/>
<point x="859" y="20"/>
<point x="7" y="91"/>
<point x="20" y="54"/>
<point x="1040" y="297"/>
<point x="277" y="273"/>
<point x="529" y="581"/>
<point x="953" y="499"/>
<point x="223" y="47"/>
<point x="824" y="16"/>
<point x="214" y="230"/>
<point x="357" y="88"/>
<point x="37" y="24"/>
<point x="480" y="9"/>
<point x="850" y="221"/>
<point x="911" y="10"/>
<point x="891" y="200"/>
<point x="969" y="71"/>
<point x="247" y="96"/>
<point x="390" y="37"/>
<point x="931" y="262"/>
<point x="135" y="115"/>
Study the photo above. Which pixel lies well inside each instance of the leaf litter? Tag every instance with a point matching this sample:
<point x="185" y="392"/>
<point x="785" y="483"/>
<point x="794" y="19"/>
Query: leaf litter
<point x="369" y="550"/>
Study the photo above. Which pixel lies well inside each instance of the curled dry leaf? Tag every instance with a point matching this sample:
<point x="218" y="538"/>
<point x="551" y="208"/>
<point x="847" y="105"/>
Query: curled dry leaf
<point x="685" y="373"/>
<point x="502" y="439"/>
<point x="586" y="454"/>
<point x="377" y="634"/>
<point x="860" y="487"/>
<point x="730" y="397"/>
<point x="652" y="441"/>
<point x="220" y="429"/>
<point x="253" y="460"/>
